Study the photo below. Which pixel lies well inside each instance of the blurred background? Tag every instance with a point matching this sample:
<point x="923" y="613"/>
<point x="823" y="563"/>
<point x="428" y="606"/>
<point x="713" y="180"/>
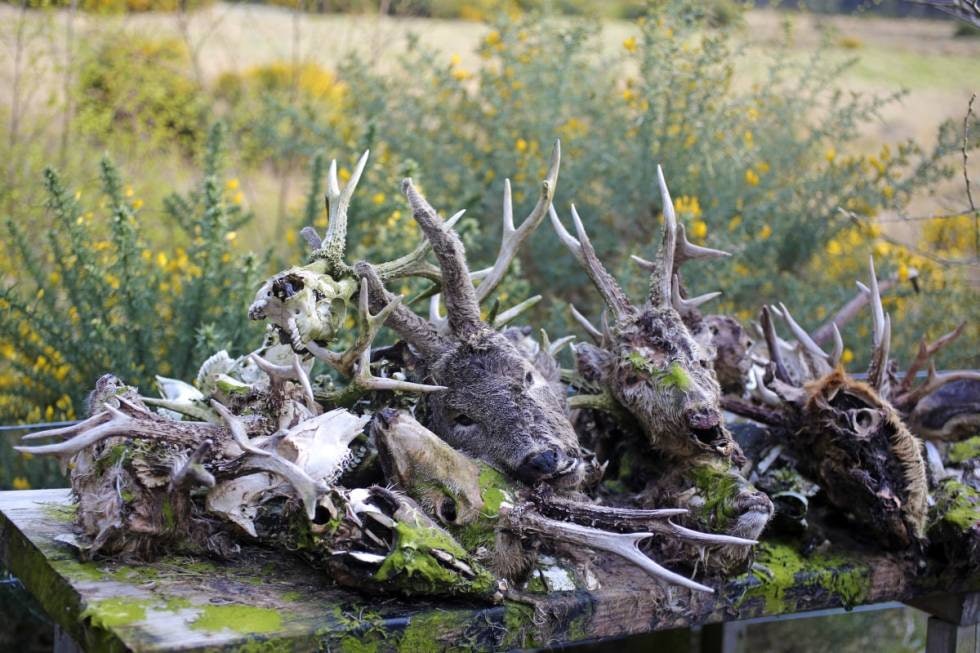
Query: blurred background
<point x="159" y="157"/>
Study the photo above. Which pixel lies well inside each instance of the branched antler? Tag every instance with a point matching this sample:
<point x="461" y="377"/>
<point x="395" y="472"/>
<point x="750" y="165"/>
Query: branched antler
<point x="334" y="244"/>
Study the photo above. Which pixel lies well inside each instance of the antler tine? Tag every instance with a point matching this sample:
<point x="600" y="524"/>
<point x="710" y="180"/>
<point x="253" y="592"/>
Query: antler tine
<point x="685" y="250"/>
<point x="772" y="344"/>
<point x="684" y="305"/>
<point x="435" y="314"/>
<point x="237" y="429"/>
<point x="624" y="545"/>
<point x="881" y="333"/>
<point x="414" y="264"/>
<point x="294" y="372"/>
<point x="411" y="327"/>
<point x="925" y="352"/>
<point x="119" y="423"/>
<point x="368" y="326"/>
<point x="663" y="267"/>
<point x="759" y="390"/>
<point x="583" y="251"/>
<point x="457" y="289"/>
<point x="583" y="321"/>
<point x="513" y="312"/>
<point x="338" y="201"/>
<point x="818" y="356"/>
<point x="70" y="430"/>
<point x="366" y="380"/>
<point x="311" y="237"/>
<point x="513" y="237"/>
<point x="838" y="352"/>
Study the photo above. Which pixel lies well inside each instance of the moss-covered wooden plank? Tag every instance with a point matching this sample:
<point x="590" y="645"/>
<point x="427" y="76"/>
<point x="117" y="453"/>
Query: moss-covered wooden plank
<point x="264" y="600"/>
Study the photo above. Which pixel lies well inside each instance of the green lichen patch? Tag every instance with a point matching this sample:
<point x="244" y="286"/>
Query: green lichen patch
<point x="718" y="484"/>
<point x="673" y="377"/>
<point x="957" y="505"/>
<point x="60" y="512"/>
<point x="110" y="613"/>
<point x="965" y="450"/>
<point x="432" y="631"/>
<point x="78" y="571"/>
<point x="784" y="578"/>
<point x="494" y="488"/>
<point x="412" y="567"/>
<point x="239" y="618"/>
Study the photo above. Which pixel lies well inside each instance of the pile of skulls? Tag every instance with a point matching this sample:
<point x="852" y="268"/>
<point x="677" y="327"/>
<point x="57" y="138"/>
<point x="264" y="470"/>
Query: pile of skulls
<point x="463" y="457"/>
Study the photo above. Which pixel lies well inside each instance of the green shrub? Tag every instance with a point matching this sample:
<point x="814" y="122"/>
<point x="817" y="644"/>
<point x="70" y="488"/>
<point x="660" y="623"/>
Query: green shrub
<point x="117" y="6"/>
<point x="139" y="93"/>
<point x="93" y="295"/>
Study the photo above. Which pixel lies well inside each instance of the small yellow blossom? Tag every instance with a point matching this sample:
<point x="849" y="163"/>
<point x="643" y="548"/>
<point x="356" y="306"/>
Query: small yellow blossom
<point x="630" y="44"/>
<point x="231" y="235"/>
<point x="21" y="483"/>
<point x="493" y="38"/>
<point x="903" y="273"/>
<point x="137" y="203"/>
<point x="830" y="154"/>
<point x="765" y="232"/>
<point x="847" y="356"/>
<point x="455" y="60"/>
<point x="129" y="192"/>
<point x="834" y="248"/>
<point x="238" y="198"/>
<point x="735" y="222"/>
<point x="520" y="145"/>
<point x="699" y="229"/>
<point x="232" y="184"/>
<point x="162" y="260"/>
<point x="751" y="178"/>
<point x="378" y="198"/>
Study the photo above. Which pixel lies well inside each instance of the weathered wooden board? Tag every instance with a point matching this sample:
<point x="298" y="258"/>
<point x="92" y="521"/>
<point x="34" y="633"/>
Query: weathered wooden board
<point x="265" y="600"/>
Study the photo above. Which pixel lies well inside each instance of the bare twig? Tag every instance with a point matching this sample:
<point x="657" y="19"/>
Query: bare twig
<point x="966" y="175"/>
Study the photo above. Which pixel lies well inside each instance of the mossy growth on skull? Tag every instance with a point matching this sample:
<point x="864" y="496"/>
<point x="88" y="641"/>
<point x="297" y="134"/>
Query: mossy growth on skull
<point x="495" y="489"/>
<point x="717" y="483"/>
<point x="673" y="377"/>
<point x="413" y="568"/>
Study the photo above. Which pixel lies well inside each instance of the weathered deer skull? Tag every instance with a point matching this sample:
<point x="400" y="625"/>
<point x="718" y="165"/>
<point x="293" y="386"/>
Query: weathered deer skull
<point x="845" y="434"/>
<point x="647" y="357"/>
<point x="305" y="303"/>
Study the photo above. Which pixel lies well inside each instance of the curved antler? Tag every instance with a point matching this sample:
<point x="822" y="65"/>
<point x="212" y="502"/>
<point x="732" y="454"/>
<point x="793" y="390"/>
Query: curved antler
<point x="881" y="335"/>
<point x="334" y="243"/>
<point x="513" y="237"/>
<point x="584" y="253"/>
<point x="662" y="268"/>
<point x="457" y="289"/>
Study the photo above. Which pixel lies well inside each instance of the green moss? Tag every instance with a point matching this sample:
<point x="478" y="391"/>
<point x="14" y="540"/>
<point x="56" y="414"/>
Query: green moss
<point x="717" y="485"/>
<point x="266" y="646"/>
<point x="495" y="488"/>
<point x="412" y="567"/>
<point x="673" y="377"/>
<point x="176" y="603"/>
<point x="134" y="575"/>
<point x="519" y="624"/>
<point x="169" y="521"/>
<point x="957" y="504"/>
<point x="60" y="512"/>
<point x="422" y="631"/>
<point x="789" y="570"/>
<point x="75" y="570"/>
<point x="965" y="450"/>
<point x="292" y="597"/>
<point x="115" y="612"/>
<point x="240" y="618"/>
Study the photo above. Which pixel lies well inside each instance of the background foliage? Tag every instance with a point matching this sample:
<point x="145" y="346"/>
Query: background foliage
<point x="99" y="275"/>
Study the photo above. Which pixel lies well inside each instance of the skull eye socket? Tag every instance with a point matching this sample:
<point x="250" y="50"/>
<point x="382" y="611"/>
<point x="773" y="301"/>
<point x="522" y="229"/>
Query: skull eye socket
<point x="529" y="378"/>
<point x="447" y="510"/>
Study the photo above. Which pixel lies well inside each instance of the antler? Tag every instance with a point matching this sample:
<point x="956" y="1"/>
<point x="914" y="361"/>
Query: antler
<point x="513" y="237"/>
<point x="584" y="253"/>
<point x="460" y="296"/>
<point x="414" y="264"/>
<point x="881" y="335"/>
<point x="368" y="326"/>
<point x="624" y="545"/>
<point x="415" y="330"/>
<point x="334" y="243"/>
<point x="924" y="356"/>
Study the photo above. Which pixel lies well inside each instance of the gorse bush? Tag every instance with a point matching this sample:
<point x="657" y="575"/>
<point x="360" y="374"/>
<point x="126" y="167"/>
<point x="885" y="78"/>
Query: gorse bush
<point x="141" y="93"/>
<point x="767" y="171"/>
<point x="94" y="295"/>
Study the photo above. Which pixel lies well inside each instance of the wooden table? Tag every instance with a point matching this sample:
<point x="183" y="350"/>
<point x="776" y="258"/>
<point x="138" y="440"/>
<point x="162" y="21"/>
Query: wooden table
<point x="268" y="601"/>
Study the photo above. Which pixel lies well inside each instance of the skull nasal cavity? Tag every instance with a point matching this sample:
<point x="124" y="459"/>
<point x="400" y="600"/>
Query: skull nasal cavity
<point x="286" y="287"/>
<point x="539" y="465"/>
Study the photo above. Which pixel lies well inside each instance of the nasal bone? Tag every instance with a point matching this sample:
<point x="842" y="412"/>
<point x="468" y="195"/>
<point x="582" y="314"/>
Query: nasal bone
<point x="703" y="418"/>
